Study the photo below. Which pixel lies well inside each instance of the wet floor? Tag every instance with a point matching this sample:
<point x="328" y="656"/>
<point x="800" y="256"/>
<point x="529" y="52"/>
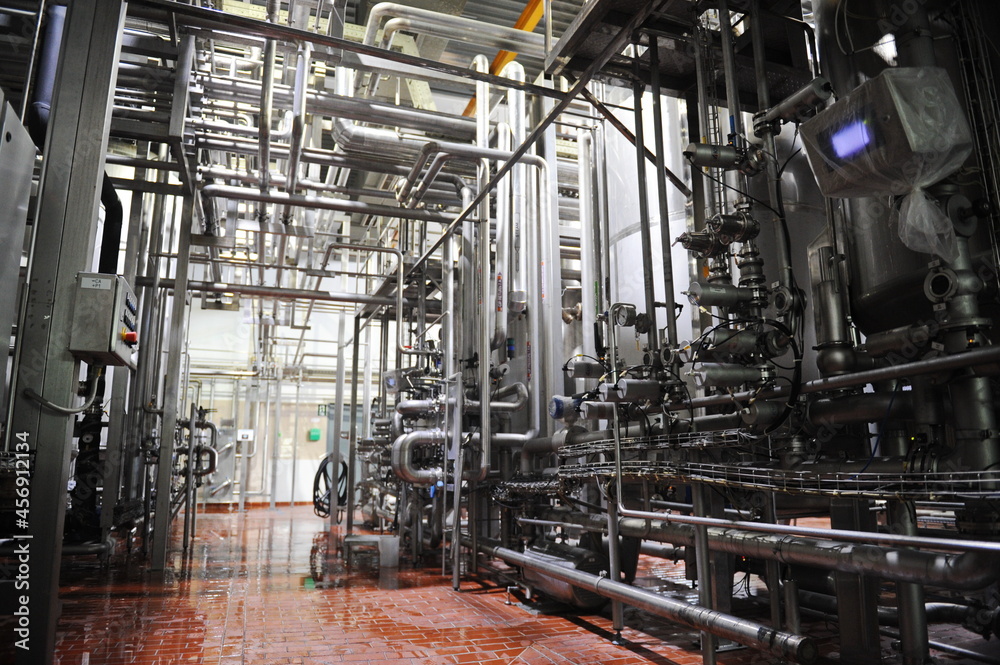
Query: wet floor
<point x="265" y="588"/>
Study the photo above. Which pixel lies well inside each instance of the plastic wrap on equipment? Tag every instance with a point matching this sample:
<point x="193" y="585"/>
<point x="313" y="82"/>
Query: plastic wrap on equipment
<point x="895" y="134"/>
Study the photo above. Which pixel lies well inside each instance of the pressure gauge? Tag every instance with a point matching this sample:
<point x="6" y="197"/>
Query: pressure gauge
<point x="625" y="316"/>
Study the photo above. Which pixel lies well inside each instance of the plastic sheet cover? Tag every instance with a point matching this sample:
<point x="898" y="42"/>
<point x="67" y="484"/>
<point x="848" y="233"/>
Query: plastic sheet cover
<point x="895" y="134"/>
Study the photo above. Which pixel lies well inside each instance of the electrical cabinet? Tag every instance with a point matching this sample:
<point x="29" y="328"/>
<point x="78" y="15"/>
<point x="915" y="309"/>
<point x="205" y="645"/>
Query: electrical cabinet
<point x="105" y="320"/>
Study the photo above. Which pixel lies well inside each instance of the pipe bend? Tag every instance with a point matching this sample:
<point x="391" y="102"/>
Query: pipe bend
<point x="402" y="457"/>
<point x="518" y="389"/>
<point x="416" y="407"/>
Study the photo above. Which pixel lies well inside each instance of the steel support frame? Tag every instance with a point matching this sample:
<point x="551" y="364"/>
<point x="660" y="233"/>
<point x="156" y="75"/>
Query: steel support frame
<point x="66" y="228"/>
<point x="173" y="392"/>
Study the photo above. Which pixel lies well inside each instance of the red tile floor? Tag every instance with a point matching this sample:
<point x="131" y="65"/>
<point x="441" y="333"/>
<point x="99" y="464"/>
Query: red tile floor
<point x="260" y="589"/>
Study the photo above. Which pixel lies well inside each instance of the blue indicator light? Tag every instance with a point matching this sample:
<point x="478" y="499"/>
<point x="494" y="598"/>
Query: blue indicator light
<point x="851" y="139"/>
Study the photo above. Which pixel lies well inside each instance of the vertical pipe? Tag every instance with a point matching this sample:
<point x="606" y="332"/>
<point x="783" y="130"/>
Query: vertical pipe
<point x="189" y="477"/>
<point x="661" y="189"/>
<point x="703" y="99"/>
<point x="352" y="445"/>
<point x="638" y="90"/>
<point x="782" y="248"/>
<point x="338" y="407"/>
<point x="705" y="596"/>
<point x="910" y="596"/>
<point x="295" y="439"/>
<point x="615" y="561"/>
<point x="172" y="391"/>
<point x="276" y="450"/>
<point x="729" y="69"/>
<point x="517" y="290"/>
<point x="588" y="257"/>
<point x="483" y="254"/>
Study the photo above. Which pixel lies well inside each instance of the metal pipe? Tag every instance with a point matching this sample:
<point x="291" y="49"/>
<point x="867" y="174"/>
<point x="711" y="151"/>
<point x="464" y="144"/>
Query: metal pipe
<point x="588" y="227"/>
<point x="458" y="28"/>
<point x="910" y="595"/>
<point x="402" y="456"/>
<point x="322" y="203"/>
<point x="298" y="126"/>
<point x="267" y="101"/>
<point x="276" y="292"/>
<point x="797" y="648"/>
<point x="400" y="281"/>
<point x="705" y="582"/>
<point x="454" y="27"/>
<point x="517" y="296"/>
<point x="517" y="389"/>
<point x="972" y="358"/>
<point x="974" y="568"/>
<point x="782" y="248"/>
<point x="645" y="233"/>
<point x="661" y="189"/>
<point x="370" y="56"/>
<point x="484" y="328"/>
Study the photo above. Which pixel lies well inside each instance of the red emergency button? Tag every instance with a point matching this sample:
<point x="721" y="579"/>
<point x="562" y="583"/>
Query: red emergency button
<point x="130" y="337"/>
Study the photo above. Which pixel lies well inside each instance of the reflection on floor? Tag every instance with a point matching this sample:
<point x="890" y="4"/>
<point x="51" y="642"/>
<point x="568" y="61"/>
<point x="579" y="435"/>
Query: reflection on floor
<point x="264" y="588"/>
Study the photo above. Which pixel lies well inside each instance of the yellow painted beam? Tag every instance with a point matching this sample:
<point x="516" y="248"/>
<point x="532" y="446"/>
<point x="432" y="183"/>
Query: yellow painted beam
<point x="527" y="21"/>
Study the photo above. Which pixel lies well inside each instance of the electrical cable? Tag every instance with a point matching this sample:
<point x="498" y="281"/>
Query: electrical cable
<point x="95" y="374"/>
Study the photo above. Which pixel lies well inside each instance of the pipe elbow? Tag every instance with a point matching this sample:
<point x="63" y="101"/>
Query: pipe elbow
<point x="401" y="458"/>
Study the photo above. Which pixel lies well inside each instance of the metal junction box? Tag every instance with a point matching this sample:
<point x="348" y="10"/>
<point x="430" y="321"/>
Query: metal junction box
<point x="105" y="319"/>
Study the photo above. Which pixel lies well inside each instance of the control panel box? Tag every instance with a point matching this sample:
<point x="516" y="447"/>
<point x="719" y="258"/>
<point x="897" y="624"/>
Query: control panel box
<point x="105" y="320"/>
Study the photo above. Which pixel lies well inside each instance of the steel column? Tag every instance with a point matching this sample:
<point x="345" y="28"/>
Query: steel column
<point x="173" y="392"/>
<point x="67" y="224"/>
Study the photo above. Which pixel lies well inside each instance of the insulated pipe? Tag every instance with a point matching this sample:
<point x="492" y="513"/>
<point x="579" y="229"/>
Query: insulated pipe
<point x="457" y="27"/>
<point x="484" y="329"/>
<point x="37" y="123"/>
<point x="505" y="222"/>
<point x="402" y="456"/>
<point x="796" y="648"/>
<point x="516" y="289"/>
<point x="298" y="127"/>
<point x="588" y="255"/>
<point x="267" y="101"/>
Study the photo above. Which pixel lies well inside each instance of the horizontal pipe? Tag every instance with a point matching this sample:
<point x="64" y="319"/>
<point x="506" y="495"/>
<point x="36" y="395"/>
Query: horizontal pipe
<point x="972" y="358"/>
<point x="272" y="292"/>
<point x="322" y="203"/>
<point x="968" y="570"/>
<point x="796" y="648"/>
<point x="200" y="17"/>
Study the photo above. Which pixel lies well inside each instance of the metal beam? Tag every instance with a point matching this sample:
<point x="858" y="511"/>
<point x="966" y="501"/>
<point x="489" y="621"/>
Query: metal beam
<point x="172" y="392"/>
<point x="67" y="227"/>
